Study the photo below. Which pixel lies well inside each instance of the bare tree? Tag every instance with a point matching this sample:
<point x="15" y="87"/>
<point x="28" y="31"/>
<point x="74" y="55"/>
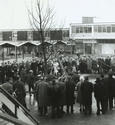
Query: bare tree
<point x="41" y="18"/>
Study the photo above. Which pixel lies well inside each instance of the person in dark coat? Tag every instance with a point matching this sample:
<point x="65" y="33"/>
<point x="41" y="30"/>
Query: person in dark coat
<point x="99" y="95"/>
<point x="86" y="91"/>
<point x="42" y="97"/>
<point x="2" y="73"/>
<point x="104" y="81"/>
<point x="30" y="81"/>
<point x="70" y="88"/>
<point x="111" y="89"/>
<point x="34" y="67"/>
<point x="19" y="90"/>
<point x="23" y="75"/>
<point x="54" y="93"/>
<point x="62" y="99"/>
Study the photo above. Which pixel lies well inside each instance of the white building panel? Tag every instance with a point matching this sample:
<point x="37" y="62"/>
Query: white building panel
<point x="108" y="49"/>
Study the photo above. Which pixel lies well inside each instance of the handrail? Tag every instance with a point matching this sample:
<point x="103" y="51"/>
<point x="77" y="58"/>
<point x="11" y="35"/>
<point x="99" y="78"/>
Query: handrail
<point x="17" y="104"/>
<point x="11" y="119"/>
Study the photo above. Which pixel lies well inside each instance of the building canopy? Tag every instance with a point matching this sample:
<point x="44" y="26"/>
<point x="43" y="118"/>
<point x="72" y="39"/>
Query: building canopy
<point x="33" y="43"/>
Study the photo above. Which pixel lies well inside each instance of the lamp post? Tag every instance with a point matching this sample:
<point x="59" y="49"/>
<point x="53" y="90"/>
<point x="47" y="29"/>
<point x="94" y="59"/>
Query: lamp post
<point x="14" y="40"/>
<point x="16" y="53"/>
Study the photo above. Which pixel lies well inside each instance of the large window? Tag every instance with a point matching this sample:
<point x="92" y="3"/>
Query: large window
<point x="104" y="29"/>
<point x="56" y="35"/>
<point x="95" y="28"/>
<point x="108" y="29"/>
<point x="88" y="48"/>
<point x="113" y="28"/>
<point x="47" y="33"/>
<point x="65" y="33"/>
<point x="36" y="35"/>
<point x="87" y="29"/>
<point x="99" y="29"/>
<point x="81" y="29"/>
<point x="22" y="35"/>
<point x="73" y="29"/>
<point x="77" y="29"/>
<point x="7" y="36"/>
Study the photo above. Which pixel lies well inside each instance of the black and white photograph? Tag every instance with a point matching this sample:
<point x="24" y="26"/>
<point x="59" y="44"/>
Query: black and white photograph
<point x="57" y="62"/>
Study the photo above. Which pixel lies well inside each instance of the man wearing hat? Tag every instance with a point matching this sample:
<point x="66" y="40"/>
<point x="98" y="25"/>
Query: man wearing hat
<point x="99" y="95"/>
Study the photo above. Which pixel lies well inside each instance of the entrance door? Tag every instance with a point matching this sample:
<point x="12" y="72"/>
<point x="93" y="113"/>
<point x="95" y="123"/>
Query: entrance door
<point x="88" y="48"/>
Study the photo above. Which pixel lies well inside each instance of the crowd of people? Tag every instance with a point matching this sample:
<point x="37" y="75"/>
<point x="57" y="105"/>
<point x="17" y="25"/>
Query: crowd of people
<point x="104" y="93"/>
<point x="83" y="64"/>
<point x="58" y="88"/>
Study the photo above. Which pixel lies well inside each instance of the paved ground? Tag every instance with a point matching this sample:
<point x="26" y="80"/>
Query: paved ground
<point x="74" y="119"/>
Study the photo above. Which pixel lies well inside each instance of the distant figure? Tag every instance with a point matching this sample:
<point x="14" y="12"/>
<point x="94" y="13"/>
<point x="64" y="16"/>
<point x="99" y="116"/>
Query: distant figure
<point x="30" y="81"/>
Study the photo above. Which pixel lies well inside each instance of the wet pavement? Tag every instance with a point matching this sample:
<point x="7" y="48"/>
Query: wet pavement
<point x="76" y="118"/>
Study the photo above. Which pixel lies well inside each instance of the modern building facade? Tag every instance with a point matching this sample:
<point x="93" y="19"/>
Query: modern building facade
<point x="88" y="37"/>
<point x="30" y="35"/>
<point x="93" y="38"/>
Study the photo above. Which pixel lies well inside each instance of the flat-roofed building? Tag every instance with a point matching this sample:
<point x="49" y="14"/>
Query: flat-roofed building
<point x="25" y="35"/>
<point x="94" y="38"/>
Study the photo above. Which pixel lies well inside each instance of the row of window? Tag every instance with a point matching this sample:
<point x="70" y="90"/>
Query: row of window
<point x="80" y="29"/>
<point x="106" y="29"/>
<point x="97" y="28"/>
<point x="33" y="35"/>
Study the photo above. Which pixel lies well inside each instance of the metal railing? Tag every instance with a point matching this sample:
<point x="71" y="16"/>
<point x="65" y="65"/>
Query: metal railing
<point x="12" y="120"/>
<point x="16" y="108"/>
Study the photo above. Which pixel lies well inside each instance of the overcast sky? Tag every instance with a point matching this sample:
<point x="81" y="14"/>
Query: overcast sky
<point x="13" y="13"/>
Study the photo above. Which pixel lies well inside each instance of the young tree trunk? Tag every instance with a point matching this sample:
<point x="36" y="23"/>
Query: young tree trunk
<point x="44" y="52"/>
